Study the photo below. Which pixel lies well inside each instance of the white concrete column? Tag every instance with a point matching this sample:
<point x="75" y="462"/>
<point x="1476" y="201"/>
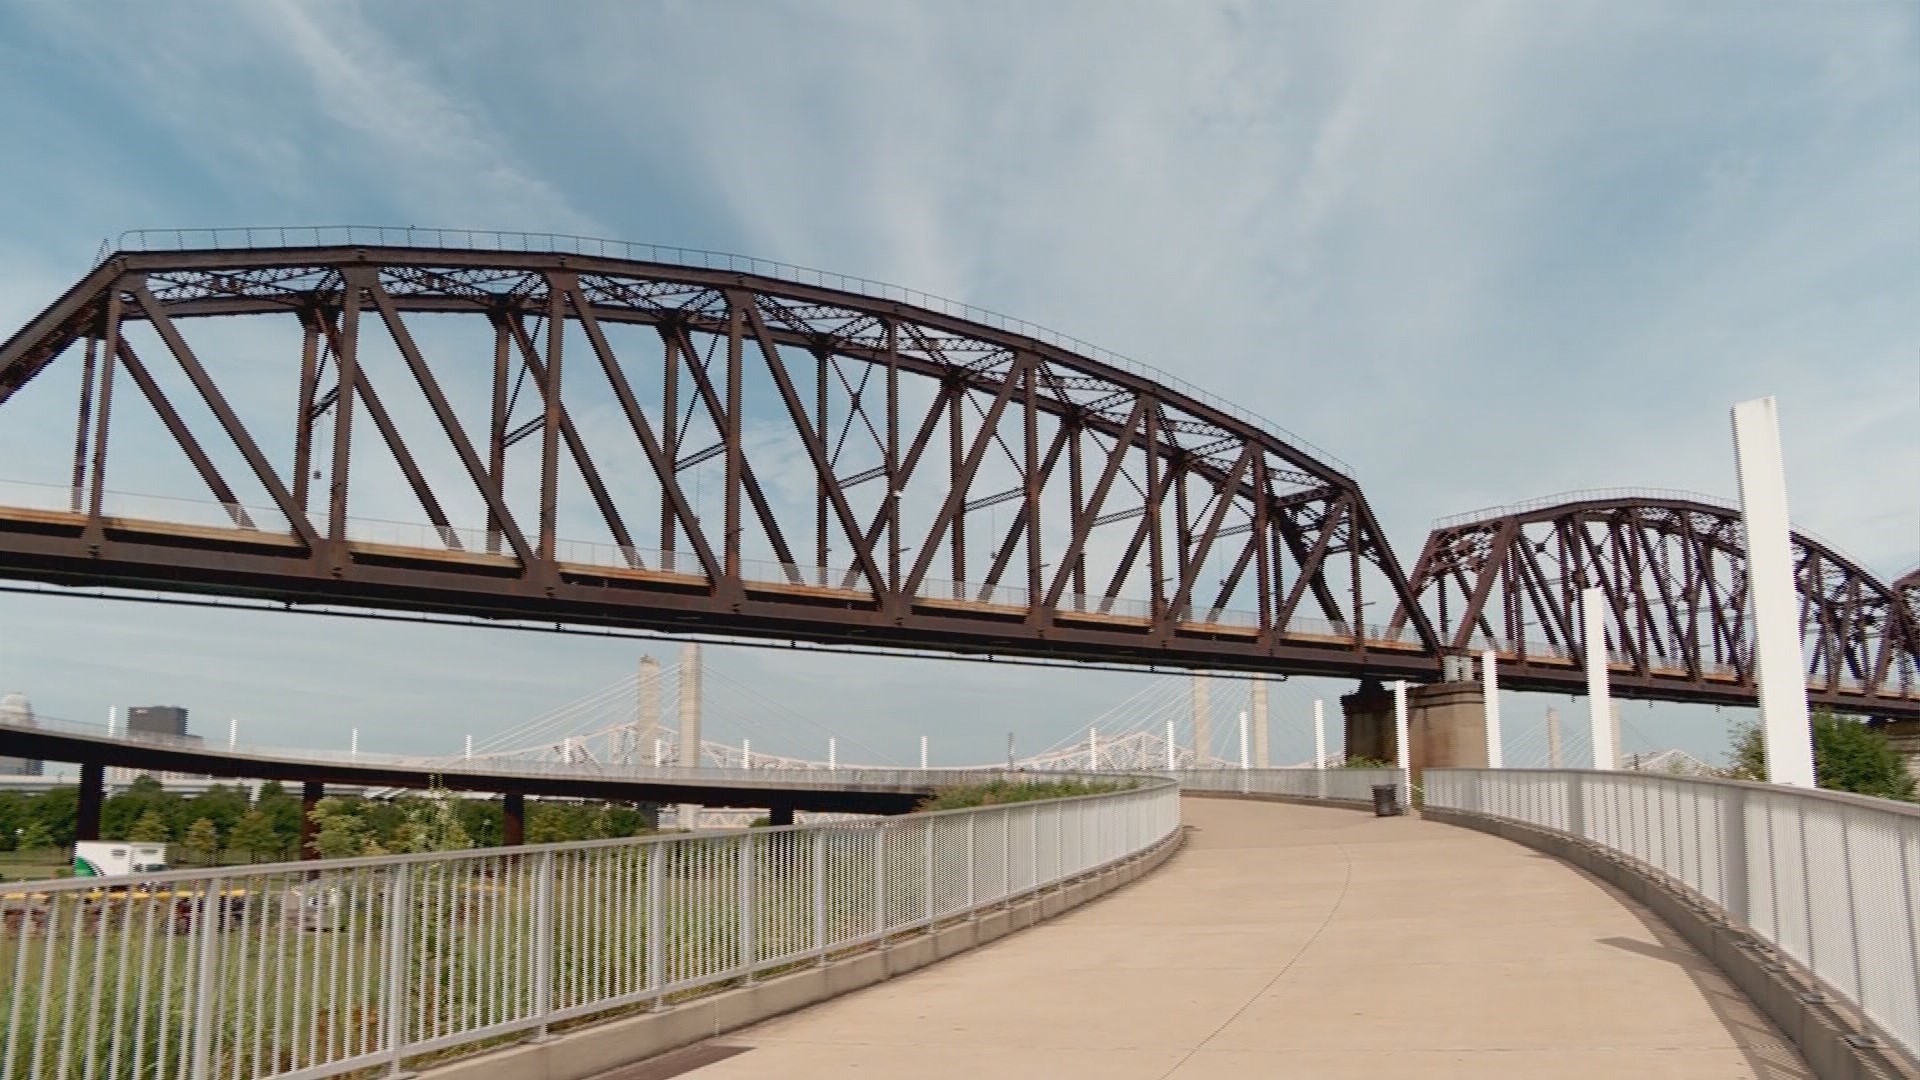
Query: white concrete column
<point x="1262" y="734"/>
<point x="1093" y="749"/>
<point x="1553" y="738"/>
<point x="1593" y="619"/>
<point x="1246" y="747"/>
<point x="233" y="733"/>
<point x="1319" y="748"/>
<point x="1202" y="721"/>
<point x="353" y="745"/>
<point x="833" y="753"/>
<point x="923" y="753"/>
<point x="1779" y="665"/>
<point x="1403" y="748"/>
<point x="1173" y="760"/>
<point x="1490" y="699"/>
<point x="647" y="716"/>
<point x="689" y="756"/>
<point x="746" y="753"/>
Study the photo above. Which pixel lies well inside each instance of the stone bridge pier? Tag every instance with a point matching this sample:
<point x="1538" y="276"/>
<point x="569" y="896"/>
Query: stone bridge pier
<point x="1446" y="725"/>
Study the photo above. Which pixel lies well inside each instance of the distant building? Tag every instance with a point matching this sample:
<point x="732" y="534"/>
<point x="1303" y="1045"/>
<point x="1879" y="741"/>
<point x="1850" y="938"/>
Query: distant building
<point x="17" y="711"/>
<point x="162" y="722"/>
<point x="157" y="720"/>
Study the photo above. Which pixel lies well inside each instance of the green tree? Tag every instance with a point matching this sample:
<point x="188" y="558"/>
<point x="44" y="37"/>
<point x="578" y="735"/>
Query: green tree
<point x="340" y="832"/>
<point x="150" y="829"/>
<point x="144" y="796"/>
<point x="282" y="812"/>
<point x="432" y="824"/>
<point x="1847" y="756"/>
<point x="35" y="837"/>
<point x="253" y="835"/>
<point x="221" y="804"/>
<point x="202" y="841"/>
<point x="58" y="811"/>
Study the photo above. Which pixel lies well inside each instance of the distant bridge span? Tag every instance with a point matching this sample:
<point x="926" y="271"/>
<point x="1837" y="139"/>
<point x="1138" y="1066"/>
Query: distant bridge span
<point x="600" y="434"/>
<point x="1672" y="568"/>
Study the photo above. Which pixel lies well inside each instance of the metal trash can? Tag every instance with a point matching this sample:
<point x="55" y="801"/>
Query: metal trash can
<point x="1386" y="800"/>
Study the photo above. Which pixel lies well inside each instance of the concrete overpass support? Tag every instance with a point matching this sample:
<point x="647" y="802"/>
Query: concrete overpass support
<point x="1202" y="720"/>
<point x="93" y="784"/>
<point x="689" y="723"/>
<point x="513" y="819"/>
<point x="311" y="793"/>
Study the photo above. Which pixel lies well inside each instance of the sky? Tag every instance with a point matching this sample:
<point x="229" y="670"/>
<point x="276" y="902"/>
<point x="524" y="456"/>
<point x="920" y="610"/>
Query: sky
<point x="1482" y="252"/>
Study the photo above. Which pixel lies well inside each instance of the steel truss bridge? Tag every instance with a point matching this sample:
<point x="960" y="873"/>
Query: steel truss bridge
<point x="584" y="432"/>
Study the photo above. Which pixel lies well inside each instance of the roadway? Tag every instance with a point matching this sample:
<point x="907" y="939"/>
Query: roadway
<point x="1302" y="941"/>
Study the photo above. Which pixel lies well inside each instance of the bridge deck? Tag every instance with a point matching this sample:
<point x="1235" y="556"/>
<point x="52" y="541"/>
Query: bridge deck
<point x="1304" y="941"/>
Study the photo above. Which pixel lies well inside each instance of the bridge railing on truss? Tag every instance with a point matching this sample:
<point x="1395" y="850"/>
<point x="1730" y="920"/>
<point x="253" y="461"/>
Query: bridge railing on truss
<point x="324" y="968"/>
<point x="1826" y="879"/>
<point x="245" y="238"/>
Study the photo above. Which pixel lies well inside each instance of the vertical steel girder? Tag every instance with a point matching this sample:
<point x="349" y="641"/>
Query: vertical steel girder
<point x="1082" y="512"/>
<point x="1673" y="573"/>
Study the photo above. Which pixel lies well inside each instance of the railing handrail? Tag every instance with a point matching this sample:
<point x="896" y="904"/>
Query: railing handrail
<point x="693" y="258"/>
<point x="1143" y="782"/>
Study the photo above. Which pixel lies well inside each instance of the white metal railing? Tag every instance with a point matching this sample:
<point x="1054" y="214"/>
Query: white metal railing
<point x="1340" y="785"/>
<point x="324" y="968"/>
<point x="1830" y="880"/>
<point x="242" y="238"/>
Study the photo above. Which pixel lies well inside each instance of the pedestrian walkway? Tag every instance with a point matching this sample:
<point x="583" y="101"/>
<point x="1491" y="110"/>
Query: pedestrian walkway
<point x="1303" y="941"/>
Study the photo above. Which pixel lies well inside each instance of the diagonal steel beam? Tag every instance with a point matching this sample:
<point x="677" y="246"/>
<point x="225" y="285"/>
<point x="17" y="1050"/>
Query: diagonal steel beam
<point x="262" y="468"/>
<point x="476" y="471"/>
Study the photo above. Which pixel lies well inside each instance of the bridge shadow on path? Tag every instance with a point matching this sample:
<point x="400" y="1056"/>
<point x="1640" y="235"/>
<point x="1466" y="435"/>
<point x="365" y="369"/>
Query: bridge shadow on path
<point x="1304" y="941"/>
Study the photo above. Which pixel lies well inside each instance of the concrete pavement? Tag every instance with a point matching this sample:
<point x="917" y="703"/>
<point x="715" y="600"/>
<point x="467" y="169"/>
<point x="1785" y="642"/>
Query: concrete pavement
<point x="1302" y="941"/>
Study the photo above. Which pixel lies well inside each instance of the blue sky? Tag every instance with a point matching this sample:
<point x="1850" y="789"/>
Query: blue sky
<point x="1481" y="252"/>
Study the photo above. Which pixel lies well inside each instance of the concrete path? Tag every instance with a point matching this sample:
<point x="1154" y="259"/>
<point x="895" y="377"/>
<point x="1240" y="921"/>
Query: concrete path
<point x="1293" y="941"/>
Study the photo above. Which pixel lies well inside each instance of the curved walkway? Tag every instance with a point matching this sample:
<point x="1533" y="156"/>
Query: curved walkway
<point x="1302" y="941"/>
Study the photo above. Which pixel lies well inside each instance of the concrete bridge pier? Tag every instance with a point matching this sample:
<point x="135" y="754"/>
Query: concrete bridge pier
<point x="1446" y="725"/>
<point x="780" y="813"/>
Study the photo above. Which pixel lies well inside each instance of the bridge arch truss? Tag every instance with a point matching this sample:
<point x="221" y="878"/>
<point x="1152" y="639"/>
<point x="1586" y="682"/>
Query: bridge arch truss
<point x="607" y="440"/>
<point x="1672" y="569"/>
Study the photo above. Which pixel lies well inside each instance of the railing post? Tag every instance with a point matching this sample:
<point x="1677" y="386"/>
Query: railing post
<point x="1733" y="854"/>
<point x="820" y="892"/>
<point x="657" y="922"/>
<point x="880" y="884"/>
<point x="1576" y="805"/>
<point x="971" y="913"/>
<point x="1006" y="857"/>
<point x="543" y="943"/>
<point x="399" y="897"/>
<point x="744" y="867"/>
<point x="203" y="927"/>
<point x="927" y="828"/>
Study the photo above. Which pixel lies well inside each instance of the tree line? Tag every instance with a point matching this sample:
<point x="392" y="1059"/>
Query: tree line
<point x="223" y="823"/>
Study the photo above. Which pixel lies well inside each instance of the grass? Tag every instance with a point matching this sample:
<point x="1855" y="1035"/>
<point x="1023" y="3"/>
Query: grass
<point x="998" y="792"/>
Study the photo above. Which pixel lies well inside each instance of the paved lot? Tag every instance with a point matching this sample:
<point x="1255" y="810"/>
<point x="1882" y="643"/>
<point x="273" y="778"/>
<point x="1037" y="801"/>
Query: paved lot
<point x="1303" y="942"/>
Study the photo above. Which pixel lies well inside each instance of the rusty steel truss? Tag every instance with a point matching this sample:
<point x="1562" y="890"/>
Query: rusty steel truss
<point x="595" y="440"/>
<point x="1673" y="571"/>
